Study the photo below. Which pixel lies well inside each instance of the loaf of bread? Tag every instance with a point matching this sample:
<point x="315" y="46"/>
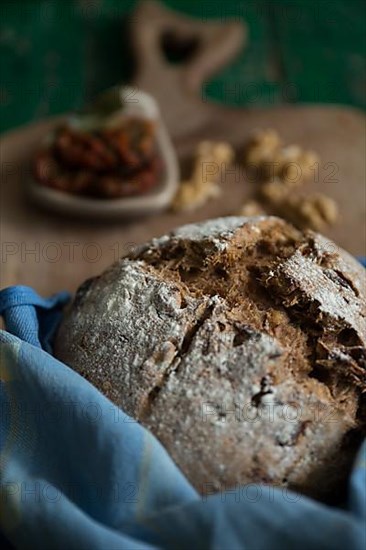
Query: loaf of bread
<point x="240" y="343"/>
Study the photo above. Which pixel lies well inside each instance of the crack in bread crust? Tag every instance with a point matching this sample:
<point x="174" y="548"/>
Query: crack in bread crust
<point x="174" y="365"/>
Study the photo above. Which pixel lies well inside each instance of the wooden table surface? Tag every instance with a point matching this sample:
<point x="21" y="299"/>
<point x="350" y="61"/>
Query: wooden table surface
<point x="55" y="54"/>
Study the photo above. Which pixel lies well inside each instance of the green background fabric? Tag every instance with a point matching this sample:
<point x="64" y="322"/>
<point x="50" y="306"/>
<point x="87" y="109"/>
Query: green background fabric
<point x="56" y="54"/>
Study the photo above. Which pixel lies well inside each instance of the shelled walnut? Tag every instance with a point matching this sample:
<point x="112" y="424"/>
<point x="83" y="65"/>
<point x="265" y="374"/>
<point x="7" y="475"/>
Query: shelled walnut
<point x="314" y="212"/>
<point x="262" y="147"/>
<point x="282" y="170"/>
<point x="290" y="163"/>
<point x="203" y="182"/>
<point x="297" y="166"/>
<point x="274" y="192"/>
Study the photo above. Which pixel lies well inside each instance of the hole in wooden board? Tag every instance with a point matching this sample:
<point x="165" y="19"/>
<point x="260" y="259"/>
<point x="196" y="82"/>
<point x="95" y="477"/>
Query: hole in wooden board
<point x="178" y="49"/>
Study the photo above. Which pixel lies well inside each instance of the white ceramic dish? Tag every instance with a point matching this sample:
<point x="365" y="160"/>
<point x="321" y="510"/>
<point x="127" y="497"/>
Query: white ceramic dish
<point x="129" y="101"/>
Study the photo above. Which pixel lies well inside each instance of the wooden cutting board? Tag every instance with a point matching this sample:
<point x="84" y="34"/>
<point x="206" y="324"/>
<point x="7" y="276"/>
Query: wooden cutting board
<point x="52" y="253"/>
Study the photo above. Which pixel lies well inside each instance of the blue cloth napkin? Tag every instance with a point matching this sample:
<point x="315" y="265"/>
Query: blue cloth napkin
<point x="78" y="473"/>
<point x="32" y="318"/>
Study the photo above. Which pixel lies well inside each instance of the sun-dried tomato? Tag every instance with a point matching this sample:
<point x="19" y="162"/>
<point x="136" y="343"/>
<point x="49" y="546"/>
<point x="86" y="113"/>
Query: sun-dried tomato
<point x="108" y="163"/>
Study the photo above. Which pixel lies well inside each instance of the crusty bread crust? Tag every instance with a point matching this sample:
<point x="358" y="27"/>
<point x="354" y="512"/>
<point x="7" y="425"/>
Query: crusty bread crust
<point x="240" y="343"/>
